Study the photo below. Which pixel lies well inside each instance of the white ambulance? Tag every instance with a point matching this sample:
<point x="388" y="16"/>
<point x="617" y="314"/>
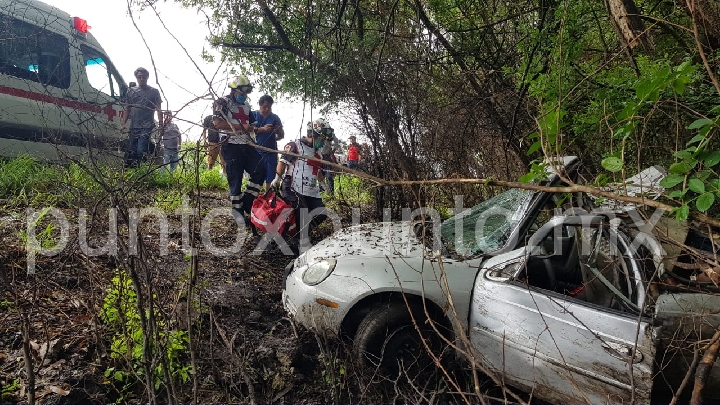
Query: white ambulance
<point x="59" y="92"/>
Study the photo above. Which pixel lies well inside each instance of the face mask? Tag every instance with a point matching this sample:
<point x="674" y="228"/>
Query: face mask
<point x="240" y="98"/>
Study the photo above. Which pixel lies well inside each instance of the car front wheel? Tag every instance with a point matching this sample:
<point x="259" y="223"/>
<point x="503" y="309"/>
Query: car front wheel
<point x="388" y="339"/>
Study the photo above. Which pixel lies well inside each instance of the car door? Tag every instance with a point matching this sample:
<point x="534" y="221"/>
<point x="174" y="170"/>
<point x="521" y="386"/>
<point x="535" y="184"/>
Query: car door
<point x="546" y="321"/>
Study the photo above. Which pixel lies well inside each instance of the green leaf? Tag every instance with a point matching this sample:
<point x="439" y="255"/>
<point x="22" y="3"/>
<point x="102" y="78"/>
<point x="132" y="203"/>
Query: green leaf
<point x="612" y="164"/>
<point x="534" y="147"/>
<point x="695" y="139"/>
<point x="528" y="177"/>
<point x="715" y="183"/>
<point x="629" y="111"/>
<point x="624" y="131"/>
<point x="701" y="122"/>
<point x="677" y="193"/>
<point x="712" y="159"/>
<point x="679" y="86"/>
<point x="715" y="110"/>
<point x="679" y="168"/>
<point x="683" y="154"/>
<point x="696" y="185"/>
<point x="704" y="202"/>
<point x="672" y="180"/>
<point x="683" y="212"/>
<point x="643" y="89"/>
<point x="703" y="175"/>
<point x="601" y="180"/>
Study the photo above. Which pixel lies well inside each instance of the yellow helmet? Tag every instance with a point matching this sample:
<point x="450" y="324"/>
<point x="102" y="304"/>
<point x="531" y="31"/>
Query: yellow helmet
<point x="240" y="81"/>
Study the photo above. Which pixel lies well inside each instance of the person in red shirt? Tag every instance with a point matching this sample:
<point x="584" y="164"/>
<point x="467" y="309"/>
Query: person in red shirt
<point x="353" y="156"/>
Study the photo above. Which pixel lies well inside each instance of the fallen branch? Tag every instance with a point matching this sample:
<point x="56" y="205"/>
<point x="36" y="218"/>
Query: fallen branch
<point x="704" y="367"/>
<point x="573" y="188"/>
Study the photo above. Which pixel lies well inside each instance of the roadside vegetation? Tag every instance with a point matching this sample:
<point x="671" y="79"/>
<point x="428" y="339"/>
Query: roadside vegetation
<point x="161" y="324"/>
<point x="450" y="99"/>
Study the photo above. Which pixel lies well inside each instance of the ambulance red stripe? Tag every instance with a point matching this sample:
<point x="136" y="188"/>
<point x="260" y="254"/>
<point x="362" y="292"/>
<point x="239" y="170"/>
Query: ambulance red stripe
<point x="74" y="104"/>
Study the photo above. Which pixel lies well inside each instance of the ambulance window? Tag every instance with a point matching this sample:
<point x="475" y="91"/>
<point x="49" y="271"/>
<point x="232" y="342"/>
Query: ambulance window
<point x="33" y="53"/>
<point x="100" y="75"/>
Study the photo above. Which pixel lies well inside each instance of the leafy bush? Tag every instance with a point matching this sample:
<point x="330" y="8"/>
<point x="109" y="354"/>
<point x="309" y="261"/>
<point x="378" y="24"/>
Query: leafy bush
<point x="353" y="190"/>
<point x="120" y="314"/>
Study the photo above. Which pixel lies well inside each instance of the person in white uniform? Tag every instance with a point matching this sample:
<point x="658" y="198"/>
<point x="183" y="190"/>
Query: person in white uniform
<point x="302" y="178"/>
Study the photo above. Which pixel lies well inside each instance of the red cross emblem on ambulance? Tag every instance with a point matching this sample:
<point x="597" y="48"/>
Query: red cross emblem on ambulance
<point x="110" y="112"/>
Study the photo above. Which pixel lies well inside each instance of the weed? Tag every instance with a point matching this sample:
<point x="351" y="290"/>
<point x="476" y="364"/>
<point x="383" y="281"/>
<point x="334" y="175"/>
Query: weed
<point x="353" y="190"/>
<point x="9" y="389"/>
<point x="22" y="177"/>
<point x="4" y="306"/>
<point x="168" y="199"/>
<point x="121" y="315"/>
<point x="212" y="180"/>
<point x="46" y="237"/>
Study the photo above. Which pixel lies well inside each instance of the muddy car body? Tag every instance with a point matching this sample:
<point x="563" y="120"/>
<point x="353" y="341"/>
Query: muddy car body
<point x="560" y="306"/>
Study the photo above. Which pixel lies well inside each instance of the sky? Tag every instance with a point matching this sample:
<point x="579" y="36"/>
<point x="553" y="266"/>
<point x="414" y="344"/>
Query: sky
<point x="170" y="47"/>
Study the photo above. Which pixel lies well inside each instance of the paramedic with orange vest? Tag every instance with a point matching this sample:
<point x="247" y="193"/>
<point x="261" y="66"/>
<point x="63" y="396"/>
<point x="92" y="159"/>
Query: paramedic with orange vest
<point x="301" y="179"/>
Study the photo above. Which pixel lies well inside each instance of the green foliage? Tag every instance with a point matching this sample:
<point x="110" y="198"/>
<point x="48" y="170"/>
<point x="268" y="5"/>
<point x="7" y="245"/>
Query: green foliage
<point x="168" y="199"/>
<point x="694" y="177"/>
<point x="4" y="305"/>
<point x="48" y="237"/>
<point x="612" y="164"/>
<point x="212" y="180"/>
<point x="184" y="178"/>
<point x="538" y="172"/>
<point x="9" y="390"/>
<point x="23" y="177"/>
<point x="120" y="314"/>
<point x="609" y="110"/>
<point x="353" y="190"/>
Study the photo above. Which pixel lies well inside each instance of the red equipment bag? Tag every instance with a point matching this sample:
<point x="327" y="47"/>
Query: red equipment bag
<point x="272" y="214"/>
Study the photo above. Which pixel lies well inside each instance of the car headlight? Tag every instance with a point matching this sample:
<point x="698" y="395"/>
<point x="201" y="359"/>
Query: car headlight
<point x="318" y="271"/>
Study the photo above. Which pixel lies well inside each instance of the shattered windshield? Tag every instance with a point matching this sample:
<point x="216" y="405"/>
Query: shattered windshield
<point x="487" y="226"/>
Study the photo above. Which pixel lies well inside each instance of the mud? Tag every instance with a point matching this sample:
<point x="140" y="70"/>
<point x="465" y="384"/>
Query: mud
<point x="246" y="349"/>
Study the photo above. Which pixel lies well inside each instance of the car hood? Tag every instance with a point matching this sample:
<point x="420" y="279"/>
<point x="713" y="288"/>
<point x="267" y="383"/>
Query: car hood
<point x="374" y="240"/>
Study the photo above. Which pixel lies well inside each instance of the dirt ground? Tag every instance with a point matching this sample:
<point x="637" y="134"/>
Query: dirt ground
<point x="246" y="349"/>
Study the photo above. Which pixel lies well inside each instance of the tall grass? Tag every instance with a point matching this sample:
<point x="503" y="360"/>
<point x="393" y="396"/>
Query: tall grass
<point x="25" y="180"/>
<point x="24" y="177"/>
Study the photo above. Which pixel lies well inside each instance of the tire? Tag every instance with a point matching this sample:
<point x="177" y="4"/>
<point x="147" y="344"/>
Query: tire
<point x="388" y="340"/>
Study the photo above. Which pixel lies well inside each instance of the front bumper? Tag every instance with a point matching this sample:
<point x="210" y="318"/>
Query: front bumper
<point x="301" y="302"/>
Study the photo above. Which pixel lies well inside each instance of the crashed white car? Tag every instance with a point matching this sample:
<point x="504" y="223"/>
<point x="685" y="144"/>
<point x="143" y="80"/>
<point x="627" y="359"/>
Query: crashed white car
<point x="571" y="308"/>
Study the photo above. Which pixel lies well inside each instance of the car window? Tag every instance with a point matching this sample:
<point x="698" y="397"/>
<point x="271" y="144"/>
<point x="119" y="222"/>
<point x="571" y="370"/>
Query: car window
<point x="585" y="263"/>
<point x="99" y="72"/>
<point x="30" y="52"/>
<point x="487" y="226"/>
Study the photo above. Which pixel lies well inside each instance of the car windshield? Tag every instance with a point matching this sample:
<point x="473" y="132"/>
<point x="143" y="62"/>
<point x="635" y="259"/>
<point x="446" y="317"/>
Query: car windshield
<point x="487" y="226"/>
